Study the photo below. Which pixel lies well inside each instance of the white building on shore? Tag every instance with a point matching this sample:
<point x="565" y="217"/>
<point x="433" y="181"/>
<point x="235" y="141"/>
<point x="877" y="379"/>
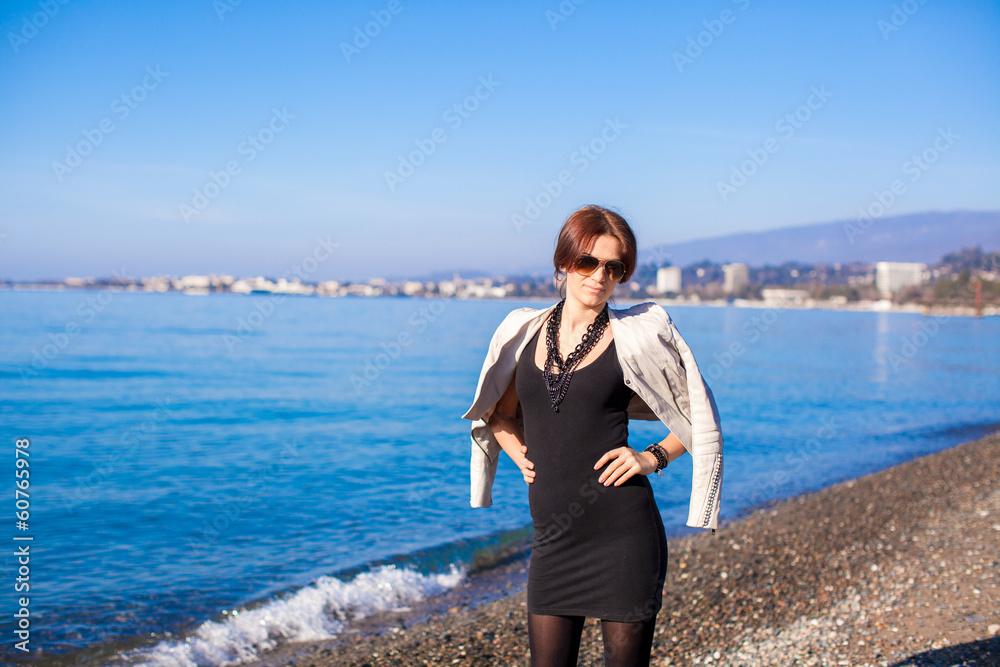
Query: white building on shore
<point x="781" y="296"/>
<point x="891" y="277"/>
<point x="736" y="276"/>
<point x="668" y="279"/>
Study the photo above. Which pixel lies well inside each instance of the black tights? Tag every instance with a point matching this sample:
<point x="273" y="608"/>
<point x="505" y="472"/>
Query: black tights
<point x="555" y="641"/>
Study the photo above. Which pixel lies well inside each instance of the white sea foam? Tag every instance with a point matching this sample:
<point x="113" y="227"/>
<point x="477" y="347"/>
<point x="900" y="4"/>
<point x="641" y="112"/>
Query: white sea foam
<point x="320" y="610"/>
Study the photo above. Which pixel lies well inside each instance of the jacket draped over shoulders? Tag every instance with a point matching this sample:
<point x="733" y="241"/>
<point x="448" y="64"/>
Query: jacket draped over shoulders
<point x="657" y="365"/>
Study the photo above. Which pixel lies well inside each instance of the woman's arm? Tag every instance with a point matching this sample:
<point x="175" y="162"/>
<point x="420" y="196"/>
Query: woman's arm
<point x="626" y="462"/>
<point x="672" y="446"/>
<point x="509" y="435"/>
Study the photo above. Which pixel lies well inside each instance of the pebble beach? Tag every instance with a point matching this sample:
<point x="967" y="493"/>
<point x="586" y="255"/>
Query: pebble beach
<point x="900" y="567"/>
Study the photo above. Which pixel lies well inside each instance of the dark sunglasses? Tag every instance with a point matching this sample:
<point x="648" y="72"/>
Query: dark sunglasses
<point x="586" y="265"/>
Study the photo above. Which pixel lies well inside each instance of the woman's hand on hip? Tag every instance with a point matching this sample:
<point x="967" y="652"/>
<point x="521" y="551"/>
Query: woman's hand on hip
<point x="526" y="466"/>
<point x="623" y="463"/>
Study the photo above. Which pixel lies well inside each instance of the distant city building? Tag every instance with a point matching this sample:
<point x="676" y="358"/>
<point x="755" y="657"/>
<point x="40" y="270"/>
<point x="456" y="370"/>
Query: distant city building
<point x="893" y="276"/>
<point x="777" y="296"/>
<point x="196" y="282"/>
<point x="328" y="287"/>
<point x="157" y="284"/>
<point x="292" y="287"/>
<point x="736" y="276"/>
<point x="483" y="288"/>
<point x="411" y="287"/>
<point x="668" y="279"/>
<point x="361" y="289"/>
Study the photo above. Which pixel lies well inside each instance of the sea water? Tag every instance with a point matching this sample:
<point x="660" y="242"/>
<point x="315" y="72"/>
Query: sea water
<point x="212" y="476"/>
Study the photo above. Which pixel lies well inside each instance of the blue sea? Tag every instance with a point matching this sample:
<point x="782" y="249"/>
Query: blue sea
<point x="213" y="476"/>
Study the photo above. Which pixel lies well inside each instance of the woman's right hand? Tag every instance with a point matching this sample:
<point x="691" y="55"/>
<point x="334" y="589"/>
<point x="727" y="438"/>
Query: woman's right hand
<point x="509" y="434"/>
<point x="526" y="466"/>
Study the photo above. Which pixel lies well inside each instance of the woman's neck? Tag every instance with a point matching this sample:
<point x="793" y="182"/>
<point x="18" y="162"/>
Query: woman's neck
<point x="577" y="316"/>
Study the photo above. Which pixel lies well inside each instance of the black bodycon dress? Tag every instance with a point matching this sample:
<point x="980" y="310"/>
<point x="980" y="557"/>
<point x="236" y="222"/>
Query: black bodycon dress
<point x="599" y="551"/>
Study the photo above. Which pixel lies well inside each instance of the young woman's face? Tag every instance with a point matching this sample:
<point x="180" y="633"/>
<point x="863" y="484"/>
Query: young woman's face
<point x="594" y="290"/>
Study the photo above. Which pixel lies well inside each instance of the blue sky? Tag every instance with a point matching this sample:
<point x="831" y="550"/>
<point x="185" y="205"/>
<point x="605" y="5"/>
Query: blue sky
<point x="666" y="98"/>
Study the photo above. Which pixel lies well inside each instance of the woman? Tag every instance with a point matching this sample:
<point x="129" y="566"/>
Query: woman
<point x="556" y="393"/>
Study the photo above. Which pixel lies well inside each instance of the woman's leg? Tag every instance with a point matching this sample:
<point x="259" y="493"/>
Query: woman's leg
<point x="627" y="644"/>
<point x="554" y="640"/>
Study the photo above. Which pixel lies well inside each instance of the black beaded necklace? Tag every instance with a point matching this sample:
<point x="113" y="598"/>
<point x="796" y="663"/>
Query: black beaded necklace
<point x="558" y="382"/>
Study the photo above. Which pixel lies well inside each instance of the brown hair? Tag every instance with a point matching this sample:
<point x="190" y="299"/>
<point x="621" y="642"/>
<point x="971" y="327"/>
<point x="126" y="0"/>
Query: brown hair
<point x="582" y="227"/>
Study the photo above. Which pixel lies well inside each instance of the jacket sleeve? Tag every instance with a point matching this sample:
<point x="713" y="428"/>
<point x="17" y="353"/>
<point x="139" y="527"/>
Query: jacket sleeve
<point x="485" y="451"/>
<point x="485" y="461"/>
<point x="699" y="427"/>
<point x="706" y="440"/>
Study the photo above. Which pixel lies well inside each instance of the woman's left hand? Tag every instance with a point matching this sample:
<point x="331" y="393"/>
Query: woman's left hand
<point x="624" y="463"/>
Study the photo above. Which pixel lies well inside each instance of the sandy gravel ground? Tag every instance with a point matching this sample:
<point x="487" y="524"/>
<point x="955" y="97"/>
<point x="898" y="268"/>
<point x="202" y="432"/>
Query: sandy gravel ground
<point x="901" y="567"/>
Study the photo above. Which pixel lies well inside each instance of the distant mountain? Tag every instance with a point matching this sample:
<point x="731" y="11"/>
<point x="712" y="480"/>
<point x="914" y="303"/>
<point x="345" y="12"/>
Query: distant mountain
<point x="920" y="237"/>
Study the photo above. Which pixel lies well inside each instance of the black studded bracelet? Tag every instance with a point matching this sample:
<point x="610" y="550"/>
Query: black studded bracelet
<point x="661" y="457"/>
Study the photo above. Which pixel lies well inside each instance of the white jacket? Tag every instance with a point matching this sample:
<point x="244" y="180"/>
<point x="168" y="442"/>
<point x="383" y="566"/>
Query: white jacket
<point x="658" y="366"/>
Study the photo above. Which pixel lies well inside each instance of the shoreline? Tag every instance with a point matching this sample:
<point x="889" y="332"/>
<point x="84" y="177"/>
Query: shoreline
<point x="872" y="571"/>
<point x="883" y="306"/>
